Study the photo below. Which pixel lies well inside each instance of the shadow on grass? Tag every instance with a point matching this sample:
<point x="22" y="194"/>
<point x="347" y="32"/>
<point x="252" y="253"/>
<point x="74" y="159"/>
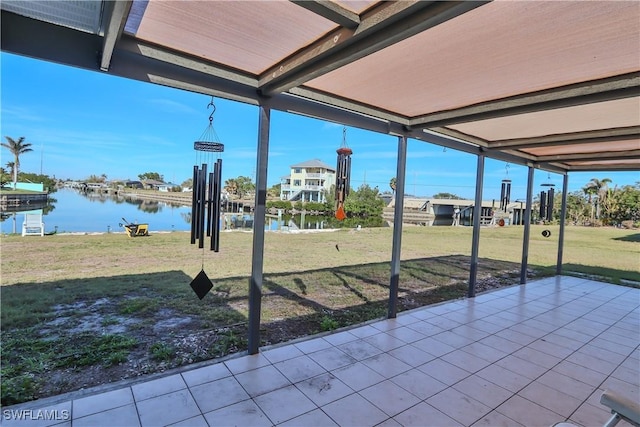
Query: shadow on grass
<point x="629" y="238"/>
<point x="604" y="274"/>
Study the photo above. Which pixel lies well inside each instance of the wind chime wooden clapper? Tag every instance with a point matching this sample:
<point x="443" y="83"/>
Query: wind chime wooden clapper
<point x="205" y="205"/>
<point x="546" y="201"/>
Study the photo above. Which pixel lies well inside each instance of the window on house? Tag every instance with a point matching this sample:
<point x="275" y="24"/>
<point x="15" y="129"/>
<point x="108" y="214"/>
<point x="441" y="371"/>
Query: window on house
<point x="297" y="183"/>
<point x="297" y="170"/>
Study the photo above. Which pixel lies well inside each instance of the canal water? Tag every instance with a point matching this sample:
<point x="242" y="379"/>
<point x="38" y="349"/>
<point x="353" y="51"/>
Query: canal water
<point x="71" y="211"/>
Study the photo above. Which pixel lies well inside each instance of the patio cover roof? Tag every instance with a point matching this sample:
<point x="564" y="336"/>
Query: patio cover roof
<point x="553" y="85"/>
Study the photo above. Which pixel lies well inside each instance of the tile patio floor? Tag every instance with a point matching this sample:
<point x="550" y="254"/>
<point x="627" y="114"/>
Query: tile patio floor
<point x="528" y="355"/>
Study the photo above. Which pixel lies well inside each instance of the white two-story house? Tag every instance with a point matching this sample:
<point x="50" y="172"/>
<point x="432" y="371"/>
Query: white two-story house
<point x="308" y="182"/>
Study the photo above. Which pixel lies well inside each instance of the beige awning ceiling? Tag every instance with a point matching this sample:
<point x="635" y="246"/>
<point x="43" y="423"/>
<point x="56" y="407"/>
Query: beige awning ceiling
<point x="545" y="83"/>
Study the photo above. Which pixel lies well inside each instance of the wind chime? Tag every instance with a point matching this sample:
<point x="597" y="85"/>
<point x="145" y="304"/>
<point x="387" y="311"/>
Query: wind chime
<point x="546" y="201"/>
<point x="343" y="175"/>
<point x="205" y="205"/>
<point x="505" y="191"/>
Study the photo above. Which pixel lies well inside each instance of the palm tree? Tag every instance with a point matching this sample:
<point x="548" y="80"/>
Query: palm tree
<point x="596" y="190"/>
<point x="231" y="185"/>
<point x="393" y="184"/>
<point x="16" y="148"/>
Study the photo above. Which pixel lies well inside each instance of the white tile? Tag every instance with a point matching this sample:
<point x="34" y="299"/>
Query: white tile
<point x="426" y="329"/>
<point x="567" y="385"/>
<point x="284" y="404"/>
<point x="496" y="419"/>
<point x="433" y="346"/>
<point x="591" y="362"/>
<point x="198" y="421"/>
<point x="500" y="343"/>
<point x="315" y="418"/>
<point x="528" y="413"/>
<point x="324" y="389"/>
<point x="485" y="352"/>
<point x="217" y="394"/>
<point x="358" y="376"/>
<point x="386" y="365"/>
<point x="364" y="331"/>
<point x="158" y="387"/>
<point x="313" y="345"/>
<point x="284" y="352"/>
<point x="444" y="372"/>
<point x="552" y="399"/>
<point x="262" y="380"/>
<point x="406" y="334"/>
<point x="167" y="409"/>
<point x="385" y="341"/>
<point x="458" y="406"/>
<point x="522" y="367"/>
<point x="465" y="361"/>
<point x="332" y="358"/>
<point x="246" y="363"/>
<point x="359" y="349"/>
<point x="590" y="415"/>
<point x="504" y="378"/>
<point x="121" y="416"/>
<point x="411" y="355"/>
<point x="340" y="338"/>
<point x="539" y="358"/>
<point x="419" y="384"/>
<point x="423" y="413"/>
<point x="580" y="373"/>
<point x="101" y="402"/>
<point x="205" y="374"/>
<point x="453" y="339"/>
<point x="299" y="368"/>
<point x="354" y="410"/>
<point x="389" y="397"/>
<point x="245" y="413"/>
<point x="483" y="391"/>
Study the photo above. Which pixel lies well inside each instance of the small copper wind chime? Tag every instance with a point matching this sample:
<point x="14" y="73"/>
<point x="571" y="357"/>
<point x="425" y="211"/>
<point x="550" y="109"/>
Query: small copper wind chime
<point x="343" y="176"/>
<point x="205" y="205"/>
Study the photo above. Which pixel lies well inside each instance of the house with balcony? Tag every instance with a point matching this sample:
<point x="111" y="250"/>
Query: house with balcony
<point x="308" y="182"/>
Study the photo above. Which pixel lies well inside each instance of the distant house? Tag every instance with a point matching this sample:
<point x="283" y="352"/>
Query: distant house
<point x="308" y="182"/>
<point x="167" y="187"/>
<point x="152" y="184"/>
<point x="133" y="184"/>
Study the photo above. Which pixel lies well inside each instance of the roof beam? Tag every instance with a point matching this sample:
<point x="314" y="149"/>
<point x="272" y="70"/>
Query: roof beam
<point x="349" y="105"/>
<point x="48" y="42"/>
<point x="380" y="27"/>
<point x="591" y="167"/>
<point x="149" y="50"/>
<point x="586" y="137"/>
<point x="617" y="87"/>
<point x="115" y="16"/>
<point x="331" y="11"/>
<point x="609" y="155"/>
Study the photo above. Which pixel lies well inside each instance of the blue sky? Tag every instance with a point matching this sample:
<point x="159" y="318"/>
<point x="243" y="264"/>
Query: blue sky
<point x="82" y="123"/>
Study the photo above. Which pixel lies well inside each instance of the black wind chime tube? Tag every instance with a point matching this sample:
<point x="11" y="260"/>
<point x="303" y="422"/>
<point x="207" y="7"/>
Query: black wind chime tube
<point x="210" y="201"/>
<point x="194" y="204"/>
<point x="217" y="189"/>
<point x="202" y="186"/>
<point x="543" y="205"/>
<point x="347" y="177"/>
<point x="550" y="194"/>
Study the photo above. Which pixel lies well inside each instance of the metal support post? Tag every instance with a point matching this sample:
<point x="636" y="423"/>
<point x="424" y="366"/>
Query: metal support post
<point x="257" y="257"/>
<point x="477" y="212"/>
<point x="397" y="227"/>
<point x="527" y="228"/>
<point x="563" y="218"/>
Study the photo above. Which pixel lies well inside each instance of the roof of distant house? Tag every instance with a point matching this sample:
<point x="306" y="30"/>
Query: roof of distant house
<point x="314" y="163"/>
